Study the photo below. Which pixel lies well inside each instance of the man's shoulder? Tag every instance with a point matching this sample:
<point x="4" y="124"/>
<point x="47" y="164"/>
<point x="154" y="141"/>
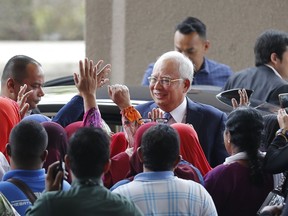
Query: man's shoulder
<point x="5" y="185"/>
<point x="214" y="65"/>
<point x="200" y="107"/>
<point x="145" y="107"/>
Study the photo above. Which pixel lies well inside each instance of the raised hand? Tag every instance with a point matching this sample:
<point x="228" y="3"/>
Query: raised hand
<point x="244" y="100"/>
<point x="86" y="79"/>
<point x="155" y="113"/>
<point x="21" y="100"/>
<point x="282" y="119"/>
<point x="120" y="95"/>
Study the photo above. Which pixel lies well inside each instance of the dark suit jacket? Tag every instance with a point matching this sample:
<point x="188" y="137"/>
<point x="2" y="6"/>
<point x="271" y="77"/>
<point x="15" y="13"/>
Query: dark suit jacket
<point x="262" y="79"/>
<point x="209" y="124"/>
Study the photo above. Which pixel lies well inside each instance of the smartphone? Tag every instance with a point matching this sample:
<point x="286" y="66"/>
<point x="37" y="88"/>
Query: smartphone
<point x="60" y="167"/>
<point x="283" y="100"/>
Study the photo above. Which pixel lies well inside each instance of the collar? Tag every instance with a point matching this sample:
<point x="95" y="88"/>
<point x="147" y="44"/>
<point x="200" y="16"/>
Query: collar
<point x="273" y="69"/>
<point x="179" y="113"/>
<point x="23" y="174"/>
<point x="204" y="67"/>
<point x="87" y="182"/>
<point x="235" y="157"/>
<point x="148" y="176"/>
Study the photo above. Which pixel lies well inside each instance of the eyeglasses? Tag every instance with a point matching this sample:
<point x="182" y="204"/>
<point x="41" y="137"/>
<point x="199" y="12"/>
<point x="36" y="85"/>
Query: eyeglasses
<point x="157" y="120"/>
<point x="165" y="81"/>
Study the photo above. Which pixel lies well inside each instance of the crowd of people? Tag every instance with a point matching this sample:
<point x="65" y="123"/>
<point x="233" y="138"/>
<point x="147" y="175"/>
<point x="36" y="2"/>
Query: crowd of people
<point x="197" y="160"/>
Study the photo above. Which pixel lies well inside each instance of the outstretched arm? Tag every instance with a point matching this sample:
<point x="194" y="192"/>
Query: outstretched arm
<point x="87" y="81"/>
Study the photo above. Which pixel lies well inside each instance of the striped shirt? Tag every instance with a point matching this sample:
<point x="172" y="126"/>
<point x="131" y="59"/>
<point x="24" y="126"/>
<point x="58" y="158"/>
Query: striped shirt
<point x="162" y="193"/>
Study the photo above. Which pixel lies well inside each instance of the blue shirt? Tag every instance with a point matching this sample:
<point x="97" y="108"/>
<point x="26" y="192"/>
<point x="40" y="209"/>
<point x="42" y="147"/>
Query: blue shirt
<point x="34" y="179"/>
<point x="161" y="193"/>
<point x="211" y="73"/>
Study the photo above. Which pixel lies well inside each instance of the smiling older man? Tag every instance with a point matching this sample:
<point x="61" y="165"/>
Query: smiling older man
<point x="169" y="83"/>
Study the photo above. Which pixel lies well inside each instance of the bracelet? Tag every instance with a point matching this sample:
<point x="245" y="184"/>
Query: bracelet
<point x="132" y="114"/>
<point x="283" y="133"/>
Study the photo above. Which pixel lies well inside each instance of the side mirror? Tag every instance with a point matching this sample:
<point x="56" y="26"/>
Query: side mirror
<point x="226" y="96"/>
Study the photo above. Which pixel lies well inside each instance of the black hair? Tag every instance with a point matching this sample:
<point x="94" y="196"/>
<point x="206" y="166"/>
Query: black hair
<point x="245" y="125"/>
<point x="192" y="24"/>
<point x="88" y="151"/>
<point x="16" y="68"/>
<point x="271" y="126"/>
<point x="28" y="140"/>
<point x="160" y="147"/>
<point x="270" y="41"/>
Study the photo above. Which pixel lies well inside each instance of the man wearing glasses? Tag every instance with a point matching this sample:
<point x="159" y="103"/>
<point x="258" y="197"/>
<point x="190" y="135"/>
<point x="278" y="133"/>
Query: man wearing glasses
<point x="169" y="82"/>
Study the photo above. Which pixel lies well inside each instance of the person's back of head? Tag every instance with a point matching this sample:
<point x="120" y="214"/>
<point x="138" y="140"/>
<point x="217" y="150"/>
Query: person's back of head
<point x="89" y="152"/>
<point x="57" y="142"/>
<point x="27" y="145"/>
<point x="192" y="24"/>
<point x="15" y="68"/>
<point x="269" y="42"/>
<point x="160" y="147"/>
<point x="245" y="125"/>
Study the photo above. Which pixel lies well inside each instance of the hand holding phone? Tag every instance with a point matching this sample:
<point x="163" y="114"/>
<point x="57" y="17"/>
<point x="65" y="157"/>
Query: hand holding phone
<point x="283" y="100"/>
<point x="55" y="176"/>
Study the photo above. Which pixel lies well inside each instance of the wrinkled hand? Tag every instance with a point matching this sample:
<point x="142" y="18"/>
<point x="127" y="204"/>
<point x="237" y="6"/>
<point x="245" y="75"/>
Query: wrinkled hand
<point x="282" y="119"/>
<point x="86" y="79"/>
<point x="53" y="184"/>
<point x="120" y="95"/>
<point x="155" y="113"/>
<point x="21" y="100"/>
<point x="244" y="100"/>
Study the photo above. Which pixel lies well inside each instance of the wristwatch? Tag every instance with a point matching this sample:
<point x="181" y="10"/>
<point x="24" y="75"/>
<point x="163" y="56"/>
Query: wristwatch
<point x="282" y="132"/>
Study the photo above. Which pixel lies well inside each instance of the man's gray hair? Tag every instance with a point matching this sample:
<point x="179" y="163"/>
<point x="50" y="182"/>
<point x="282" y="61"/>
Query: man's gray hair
<point x="185" y="65"/>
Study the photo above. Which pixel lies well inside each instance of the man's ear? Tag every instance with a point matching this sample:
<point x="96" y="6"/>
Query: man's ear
<point x="10" y="85"/>
<point x="140" y="155"/>
<point x="8" y="149"/>
<point x="186" y="85"/>
<point x="44" y="155"/>
<point x="274" y="58"/>
<point x="206" y="45"/>
<point x="107" y="166"/>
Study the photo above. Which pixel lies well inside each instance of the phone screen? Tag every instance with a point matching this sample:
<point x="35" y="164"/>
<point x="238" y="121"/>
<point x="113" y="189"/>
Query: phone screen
<point x="283" y="100"/>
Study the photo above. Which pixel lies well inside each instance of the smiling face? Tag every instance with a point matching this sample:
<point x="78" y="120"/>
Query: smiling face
<point x="168" y="97"/>
<point x="192" y="46"/>
<point x="34" y="80"/>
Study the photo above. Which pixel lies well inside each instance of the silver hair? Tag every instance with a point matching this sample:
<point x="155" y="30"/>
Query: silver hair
<point x="185" y="65"/>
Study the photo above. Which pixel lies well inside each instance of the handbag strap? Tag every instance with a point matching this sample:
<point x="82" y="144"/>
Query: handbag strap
<point x="24" y="188"/>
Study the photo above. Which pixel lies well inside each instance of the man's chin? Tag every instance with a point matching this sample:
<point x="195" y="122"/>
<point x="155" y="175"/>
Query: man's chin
<point x="33" y="106"/>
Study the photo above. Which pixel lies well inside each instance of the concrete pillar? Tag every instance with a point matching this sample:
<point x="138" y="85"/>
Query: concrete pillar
<point x="132" y="33"/>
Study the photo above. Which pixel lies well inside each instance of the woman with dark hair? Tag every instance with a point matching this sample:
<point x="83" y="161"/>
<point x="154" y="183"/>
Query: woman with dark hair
<point x="239" y="186"/>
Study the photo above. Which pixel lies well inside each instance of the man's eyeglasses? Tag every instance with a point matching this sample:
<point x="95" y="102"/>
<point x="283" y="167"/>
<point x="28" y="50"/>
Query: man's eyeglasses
<point x="157" y="120"/>
<point x="165" y="81"/>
